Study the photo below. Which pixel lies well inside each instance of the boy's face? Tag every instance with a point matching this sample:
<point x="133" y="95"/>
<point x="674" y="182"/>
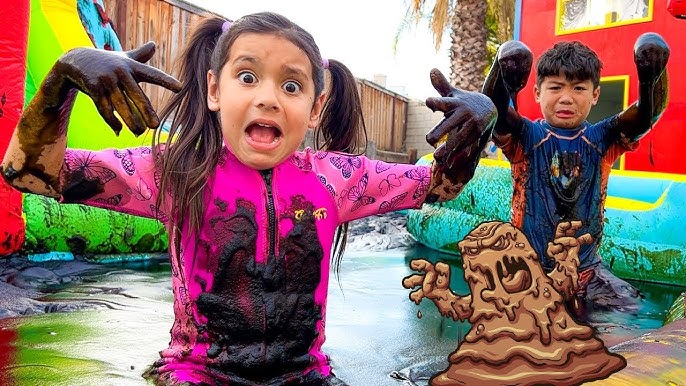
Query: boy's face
<point x="564" y="103"/>
<point x="265" y="99"/>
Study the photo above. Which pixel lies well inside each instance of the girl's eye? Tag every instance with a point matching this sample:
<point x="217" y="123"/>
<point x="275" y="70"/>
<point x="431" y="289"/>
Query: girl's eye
<point x="247" y="77"/>
<point x="291" y="87"/>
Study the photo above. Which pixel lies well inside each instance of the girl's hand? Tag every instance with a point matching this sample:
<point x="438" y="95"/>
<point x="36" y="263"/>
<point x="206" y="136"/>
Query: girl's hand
<point x="111" y="79"/>
<point x="460" y="137"/>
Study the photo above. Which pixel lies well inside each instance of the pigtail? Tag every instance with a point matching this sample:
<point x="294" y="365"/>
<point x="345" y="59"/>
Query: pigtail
<point x="343" y="129"/>
<point x="342" y="124"/>
<point x="194" y="141"/>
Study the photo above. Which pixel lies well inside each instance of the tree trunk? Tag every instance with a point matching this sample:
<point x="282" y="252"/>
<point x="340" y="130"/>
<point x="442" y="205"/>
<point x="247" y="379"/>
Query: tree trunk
<point x="468" y="49"/>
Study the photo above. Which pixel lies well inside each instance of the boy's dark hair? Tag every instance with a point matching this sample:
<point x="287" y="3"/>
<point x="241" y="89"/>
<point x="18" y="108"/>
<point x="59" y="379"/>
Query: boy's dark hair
<point x="574" y="59"/>
<point x="195" y="141"/>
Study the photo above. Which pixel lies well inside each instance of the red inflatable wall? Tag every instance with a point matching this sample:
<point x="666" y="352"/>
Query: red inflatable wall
<point x="14" y="25"/>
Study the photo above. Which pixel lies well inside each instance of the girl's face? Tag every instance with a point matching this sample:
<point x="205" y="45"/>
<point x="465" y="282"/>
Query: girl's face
<point x="564" y="103"/>
<point x="265" y="99"/>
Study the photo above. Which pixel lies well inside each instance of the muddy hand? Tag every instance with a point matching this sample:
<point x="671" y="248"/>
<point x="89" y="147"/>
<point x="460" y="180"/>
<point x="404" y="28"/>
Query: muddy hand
<point x="433" y="282"/>
<point x="565" y="242"/>
<point x="111" y="80"/>
<point x="461" y="136"/>
<point x="651" y="54"/>
<point x="515" y="60"/>
<point x="564" y="249"/>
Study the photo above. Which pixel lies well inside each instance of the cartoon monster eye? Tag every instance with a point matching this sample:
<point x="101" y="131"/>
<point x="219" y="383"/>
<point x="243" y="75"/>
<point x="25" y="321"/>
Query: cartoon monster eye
<point x="500" y="244"/>
<point x="471" y="250"/>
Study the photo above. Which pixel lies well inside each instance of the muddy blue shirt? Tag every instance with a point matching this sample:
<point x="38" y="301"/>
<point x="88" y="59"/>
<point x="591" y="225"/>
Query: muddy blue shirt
<point x="561" y="175"/>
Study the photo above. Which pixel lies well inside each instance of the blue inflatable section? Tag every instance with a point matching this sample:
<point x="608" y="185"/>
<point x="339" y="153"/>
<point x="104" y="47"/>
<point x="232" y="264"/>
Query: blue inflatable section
<point x="645" y="227"/>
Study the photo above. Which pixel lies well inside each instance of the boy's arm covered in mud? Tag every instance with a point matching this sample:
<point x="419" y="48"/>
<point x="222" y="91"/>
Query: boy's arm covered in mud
<point x="651" y="54"/>
<point x="507" y="76"/>
<point x="37" y="148"/>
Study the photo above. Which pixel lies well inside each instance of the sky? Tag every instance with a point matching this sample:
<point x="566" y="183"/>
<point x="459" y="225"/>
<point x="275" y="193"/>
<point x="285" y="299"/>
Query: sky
<point x="359" y="33"/>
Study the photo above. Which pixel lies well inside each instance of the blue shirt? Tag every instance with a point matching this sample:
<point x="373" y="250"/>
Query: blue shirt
<point x="561" y="175"/>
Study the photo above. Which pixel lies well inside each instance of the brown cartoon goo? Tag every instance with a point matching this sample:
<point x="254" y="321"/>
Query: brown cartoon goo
<point x="521" y="331"/>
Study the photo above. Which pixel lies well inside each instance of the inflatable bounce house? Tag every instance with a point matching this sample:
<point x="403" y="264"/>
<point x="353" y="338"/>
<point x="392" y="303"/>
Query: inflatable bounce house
<point x="34" y="35"/>
<point x="645" y="237"/>
<point x="13" y="39"/>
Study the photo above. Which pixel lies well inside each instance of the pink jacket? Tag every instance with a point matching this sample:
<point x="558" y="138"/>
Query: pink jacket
<point x="250" y="289"/>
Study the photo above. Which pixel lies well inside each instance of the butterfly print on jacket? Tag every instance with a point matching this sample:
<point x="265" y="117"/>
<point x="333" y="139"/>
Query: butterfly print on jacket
<point x="141" y="192"/>
<point x="328" y="186"/>
<point x="83" y="177"/>
<point x="346" y="165"/>
<point x="126" y="161"/>
<point x="421" y="175"/>
<point x="390" y="206"/>
<point x="357" y="194"/>
<point x="391" y="181"/>
<point x="301" y="163"/>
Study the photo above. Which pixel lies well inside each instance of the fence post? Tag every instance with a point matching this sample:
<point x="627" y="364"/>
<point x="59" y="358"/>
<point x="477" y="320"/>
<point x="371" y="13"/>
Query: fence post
<point x="412" y="156"/>
<point x="371" y="150"/>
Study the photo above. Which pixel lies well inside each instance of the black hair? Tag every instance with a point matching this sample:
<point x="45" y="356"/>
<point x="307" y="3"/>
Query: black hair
<point x="574" y="59"/>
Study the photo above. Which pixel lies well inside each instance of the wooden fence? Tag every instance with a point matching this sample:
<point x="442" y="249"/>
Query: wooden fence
<point x="166" y="22"/>
<point x="169" y="23"/>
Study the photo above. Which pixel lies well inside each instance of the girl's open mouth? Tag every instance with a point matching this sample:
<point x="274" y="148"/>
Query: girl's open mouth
<point x="263" y="136"/>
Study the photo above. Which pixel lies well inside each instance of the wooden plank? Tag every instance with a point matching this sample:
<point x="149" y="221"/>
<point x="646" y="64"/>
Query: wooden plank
<point x="131" y="25"/>
<point x="191" y="8"/>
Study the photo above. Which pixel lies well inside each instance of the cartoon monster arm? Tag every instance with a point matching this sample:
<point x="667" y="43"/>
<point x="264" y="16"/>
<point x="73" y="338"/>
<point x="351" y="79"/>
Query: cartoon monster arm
<point x="508" y="75"/>
<point x="459" y="138"/>
<point x="36" y="151"/>
<point x="651" y="54"/>
<point x="564" y="249"/>
<point x="434" y="285"/>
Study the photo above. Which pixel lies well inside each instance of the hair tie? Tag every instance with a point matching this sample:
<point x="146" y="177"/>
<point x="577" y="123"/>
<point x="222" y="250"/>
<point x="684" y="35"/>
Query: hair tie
<point x="226" y="25"/>
<point x="325" y="63"/>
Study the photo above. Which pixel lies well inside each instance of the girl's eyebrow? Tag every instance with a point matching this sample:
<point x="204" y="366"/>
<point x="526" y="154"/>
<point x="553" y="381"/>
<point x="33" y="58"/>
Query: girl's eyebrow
<point x="245" y="58"/>
<point x="294" y="71"/>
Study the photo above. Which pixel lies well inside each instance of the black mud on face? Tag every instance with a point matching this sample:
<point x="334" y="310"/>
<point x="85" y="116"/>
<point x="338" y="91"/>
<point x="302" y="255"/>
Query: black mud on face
<point x="262" y="317"/>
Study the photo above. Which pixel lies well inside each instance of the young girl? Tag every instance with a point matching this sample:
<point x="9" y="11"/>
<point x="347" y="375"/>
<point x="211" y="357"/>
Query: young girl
<point x="251" y="220"/>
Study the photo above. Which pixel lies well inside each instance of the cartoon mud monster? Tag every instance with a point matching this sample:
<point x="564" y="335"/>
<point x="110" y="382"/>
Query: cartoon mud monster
<point x="521" y="333"/>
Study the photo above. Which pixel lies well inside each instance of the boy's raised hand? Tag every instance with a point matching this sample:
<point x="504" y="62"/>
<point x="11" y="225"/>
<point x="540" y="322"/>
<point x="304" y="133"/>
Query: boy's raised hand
<point x="651" y="54"/>
<point x="111" y="79"/>
<point x="515" y="60"/>
<point x="460" y="137"/>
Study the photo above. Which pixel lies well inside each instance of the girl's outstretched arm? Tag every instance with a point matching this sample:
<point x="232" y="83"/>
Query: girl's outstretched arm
<point x="507" y="77"/>
<point x="459" y="138"/>
<point x="36" y="151"/>
<point x="651" y="54"/>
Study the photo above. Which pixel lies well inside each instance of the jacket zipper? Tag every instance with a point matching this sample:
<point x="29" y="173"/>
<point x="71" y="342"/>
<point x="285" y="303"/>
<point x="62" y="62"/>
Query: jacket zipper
<point x="271" y="212"/>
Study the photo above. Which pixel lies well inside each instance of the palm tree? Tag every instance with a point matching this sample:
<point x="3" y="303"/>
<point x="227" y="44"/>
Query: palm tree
<point x="477" y="28"/>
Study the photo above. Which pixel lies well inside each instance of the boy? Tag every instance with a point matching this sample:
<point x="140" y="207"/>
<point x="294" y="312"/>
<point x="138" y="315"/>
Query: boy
<point x="561" y="164"/>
